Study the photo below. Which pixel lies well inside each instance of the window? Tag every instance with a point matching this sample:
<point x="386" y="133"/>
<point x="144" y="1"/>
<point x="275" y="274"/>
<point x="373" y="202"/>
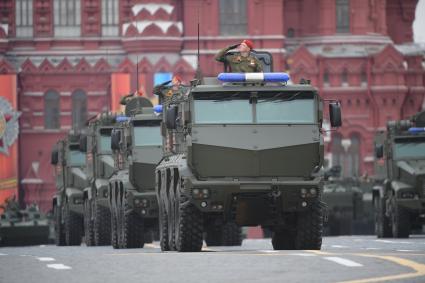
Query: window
<point x="337" y="150"/>
<point x="363" y="77"/>
<point x="24" y="18"/>
<point x="110" y="13"/>
<point x="353" y="157"/>
<point x="51" y="110"/>
<point x="409" y="148"/>
<point x="147" y="136"/>
<point x="76" y="158"/>
<point x="67" y="18"/>
<point x="233" y="17"/>
<point x="223" y="112"/>
<point x="326" y="78"/>
<point x="344" y="78"/>
<point x="342" y="16"/>
<point x="79" y="109"/>
<point x="267" y="111"/>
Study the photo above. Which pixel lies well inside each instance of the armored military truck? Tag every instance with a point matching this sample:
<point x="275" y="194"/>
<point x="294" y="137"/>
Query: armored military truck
<point x="399" y="199"/>
<point x="99" y="168"/>
<point x="242" y="152"/>
<point x="20" y="227"/>
<point x="71" y="180"/>
<point x="137" y="148"/>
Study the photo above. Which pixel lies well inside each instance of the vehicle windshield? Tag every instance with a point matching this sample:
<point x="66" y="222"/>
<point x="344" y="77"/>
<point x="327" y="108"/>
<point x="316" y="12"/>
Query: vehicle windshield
<point x="275" y="108"/>
<point x="105" y="139"/>
<point x="76" y="158"/>
<point x="409" y="149"/>
<point x="147" y="136"/>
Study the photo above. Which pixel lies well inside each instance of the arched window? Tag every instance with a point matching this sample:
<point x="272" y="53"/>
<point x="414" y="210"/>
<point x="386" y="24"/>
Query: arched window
<point x="363" y="77"/>
<point x="233" y="20"/>
<point x="79" y="109"/>
<point x="344" y="77"/>
<point x="353" y="157"/>
<point x="337" y="150"/>
<point x="342" y="16"/>
<point x="326" y="78"/>
<point x="51" y="110"/>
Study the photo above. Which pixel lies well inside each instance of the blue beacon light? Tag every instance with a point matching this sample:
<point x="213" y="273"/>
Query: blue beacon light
<point x="253" y="77"/>
<point x="121" y="118"/>
<point x="157" y="108"/>
<point x="416" y="130"/>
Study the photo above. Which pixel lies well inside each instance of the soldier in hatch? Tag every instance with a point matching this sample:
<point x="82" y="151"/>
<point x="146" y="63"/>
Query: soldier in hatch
<point x="166" y="91"/>
<point x="241" y="61"/>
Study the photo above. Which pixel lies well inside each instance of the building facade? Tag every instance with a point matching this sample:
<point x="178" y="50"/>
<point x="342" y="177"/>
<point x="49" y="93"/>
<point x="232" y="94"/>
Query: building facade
<point x="74" y="58"/>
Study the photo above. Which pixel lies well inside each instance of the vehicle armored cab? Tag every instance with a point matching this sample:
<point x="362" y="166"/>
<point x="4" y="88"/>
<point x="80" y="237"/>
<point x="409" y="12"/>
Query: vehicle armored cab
<point x="137" y="148"/>
<point x="19" y="227"/>
<point x="71" y="180"/>
<point x="96" y="143"/>
<point x="399" y="199"/>
<point x="242" y="152"/>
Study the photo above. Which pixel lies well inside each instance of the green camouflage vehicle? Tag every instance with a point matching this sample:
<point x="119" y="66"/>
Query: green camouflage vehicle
<point x="399" y="199"/>
<point x="23" y="227"/>
<point x="242" y="153"/>
<point x="137" y="148"/>
<point x="349" y="207"/>
<point x="71" y="180"/>
<point x="99" y="168"/>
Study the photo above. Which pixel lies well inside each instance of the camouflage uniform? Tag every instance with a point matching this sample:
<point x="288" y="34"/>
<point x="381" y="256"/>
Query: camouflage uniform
<point x="166" y="92"/>
<point x="239" y="63"/>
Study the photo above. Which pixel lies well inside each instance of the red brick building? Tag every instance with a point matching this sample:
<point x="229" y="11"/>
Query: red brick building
<point x="74" y="58"/>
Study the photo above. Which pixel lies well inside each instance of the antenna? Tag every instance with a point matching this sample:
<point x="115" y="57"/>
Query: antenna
<point x="137" y="74"/>
<point x="198" y="65"/>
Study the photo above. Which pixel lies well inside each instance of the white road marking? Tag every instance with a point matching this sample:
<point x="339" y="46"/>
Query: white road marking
<point x="343" y="261"/>
<point x="302" y="254"/>
<point x="339" y="247"/>
<point x="42" y="246"/>
<point x="372" y="248"/>
<point x="45" y="258"/>
<point x="393" y="242"/>
<point x="2" y="254"/>
<point x="406" y="250"/>
<point x="59" y="266"/>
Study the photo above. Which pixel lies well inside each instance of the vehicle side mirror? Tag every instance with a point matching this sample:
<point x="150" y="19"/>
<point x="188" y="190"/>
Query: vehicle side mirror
<point x="83" y="143"/>
<point x="335" y="114"/>
<point x="171" y="117"/>
<point x="379" y="151"/>
<point x="54" y="157"/>
<point x="115" y="140"/>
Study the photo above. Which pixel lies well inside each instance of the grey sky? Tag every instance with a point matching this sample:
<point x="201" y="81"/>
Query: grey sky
<point x="419" y="23"/>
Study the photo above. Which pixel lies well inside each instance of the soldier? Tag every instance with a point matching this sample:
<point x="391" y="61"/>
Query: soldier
<point x="242" y="61"/>
<point x="166" y="92"/>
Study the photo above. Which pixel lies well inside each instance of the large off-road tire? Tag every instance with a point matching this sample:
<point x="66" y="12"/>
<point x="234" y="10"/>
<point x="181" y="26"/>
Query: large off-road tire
<point x="132" y="230"/>
<point x="309" y="228"/>
<point x="188" y="226"/>
<point x="114" y="229"/>
<point x="400" y="221"/>
<point x="163" y="229"/>
<point x="73" y="227"/>
<point x="283" y="239"/>
<point x="88" y="223"/>
<point x="230" y="234"/>
<point x="59" y="229"/>
<point x="382" y="223"/>
<point x="102" y="225"/>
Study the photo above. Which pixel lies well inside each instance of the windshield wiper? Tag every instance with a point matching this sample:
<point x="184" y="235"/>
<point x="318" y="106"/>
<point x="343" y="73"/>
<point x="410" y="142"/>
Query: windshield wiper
<point x="227" y="98"/>
<point x="276" y="98"/>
